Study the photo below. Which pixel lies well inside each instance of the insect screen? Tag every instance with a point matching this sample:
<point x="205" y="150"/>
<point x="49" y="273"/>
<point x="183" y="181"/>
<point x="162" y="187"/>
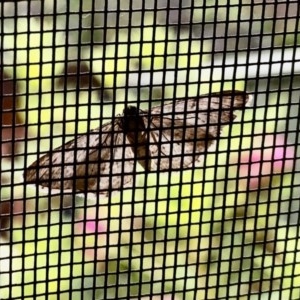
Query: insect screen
<point x="150" y="149"/>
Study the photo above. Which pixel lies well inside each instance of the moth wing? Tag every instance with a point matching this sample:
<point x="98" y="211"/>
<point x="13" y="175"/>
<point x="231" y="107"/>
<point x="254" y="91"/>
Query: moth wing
<point x="115" y="168"/>
<point x="180" y="131"/>
<point x="86" y="163"/>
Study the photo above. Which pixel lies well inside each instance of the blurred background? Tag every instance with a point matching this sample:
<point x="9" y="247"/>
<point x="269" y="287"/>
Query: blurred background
<point x="68" y="66"/>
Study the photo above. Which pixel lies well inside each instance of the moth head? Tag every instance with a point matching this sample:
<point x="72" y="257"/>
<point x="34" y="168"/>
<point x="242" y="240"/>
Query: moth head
<point x="131" y="111"/>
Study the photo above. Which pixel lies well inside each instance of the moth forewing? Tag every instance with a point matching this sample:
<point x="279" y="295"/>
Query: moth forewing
<point x="182" y="131"/>
<point x="91" y="162"/>
<point x="168" y="137"/>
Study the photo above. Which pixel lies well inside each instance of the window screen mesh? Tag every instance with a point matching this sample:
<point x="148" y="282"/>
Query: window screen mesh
<point x="135" y="203"/>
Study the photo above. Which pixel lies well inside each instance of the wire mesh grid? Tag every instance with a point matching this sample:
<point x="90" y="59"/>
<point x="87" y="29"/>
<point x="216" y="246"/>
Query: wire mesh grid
<point x="149" y="150"/>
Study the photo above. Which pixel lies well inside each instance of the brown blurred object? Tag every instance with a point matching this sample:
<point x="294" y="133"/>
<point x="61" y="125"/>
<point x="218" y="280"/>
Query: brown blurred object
<point x="11" y="128"/>
<point x="9" y="134"/>
<point x="12" y="211"/>
<point x="78" y="73"/>
<point x="5" y="213"/>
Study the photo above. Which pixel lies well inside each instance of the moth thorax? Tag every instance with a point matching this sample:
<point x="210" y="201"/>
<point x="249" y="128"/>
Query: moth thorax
<point x="132" y="121"/>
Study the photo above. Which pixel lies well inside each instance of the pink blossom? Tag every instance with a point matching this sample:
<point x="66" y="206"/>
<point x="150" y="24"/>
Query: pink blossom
<point x="92" y="235"/>
<point x="270" y="156"/>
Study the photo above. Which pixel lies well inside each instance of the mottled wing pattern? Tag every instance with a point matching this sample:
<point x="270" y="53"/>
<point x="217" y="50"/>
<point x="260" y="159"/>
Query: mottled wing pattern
<point x="180" y="131"/>
<point x="169" y="137"/>
<point x="98" y="161"/>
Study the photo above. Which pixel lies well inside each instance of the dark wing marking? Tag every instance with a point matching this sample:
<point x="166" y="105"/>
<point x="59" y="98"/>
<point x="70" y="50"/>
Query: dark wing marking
<point x="180" y="131"/>
<point x="99" y="161"/>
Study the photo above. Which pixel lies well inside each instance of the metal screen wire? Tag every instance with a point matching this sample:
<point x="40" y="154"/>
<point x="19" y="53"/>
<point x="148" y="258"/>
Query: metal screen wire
<point x="149" y="149"/>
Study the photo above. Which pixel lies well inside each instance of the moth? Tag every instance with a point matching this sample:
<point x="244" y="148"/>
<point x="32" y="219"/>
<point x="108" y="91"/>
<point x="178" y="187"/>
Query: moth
<point x="168" y="137"/>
